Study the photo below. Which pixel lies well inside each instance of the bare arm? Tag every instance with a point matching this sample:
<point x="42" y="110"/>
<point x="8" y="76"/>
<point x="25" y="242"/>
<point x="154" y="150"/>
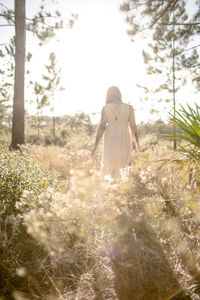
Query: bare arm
<point x="100" y="131"/>
<point x="133" y="127"/>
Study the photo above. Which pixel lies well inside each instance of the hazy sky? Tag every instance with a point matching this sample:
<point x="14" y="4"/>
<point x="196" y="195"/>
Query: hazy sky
<point x="94" y="55"/>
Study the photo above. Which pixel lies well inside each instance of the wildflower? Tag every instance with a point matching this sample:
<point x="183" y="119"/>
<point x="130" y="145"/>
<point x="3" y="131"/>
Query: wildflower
<point x="21" y="272"/>
<point x="164" y="180"/>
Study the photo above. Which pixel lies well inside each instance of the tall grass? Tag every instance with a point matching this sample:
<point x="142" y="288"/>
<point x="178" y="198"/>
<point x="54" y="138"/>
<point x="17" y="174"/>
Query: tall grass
<point x="90" y="239"/>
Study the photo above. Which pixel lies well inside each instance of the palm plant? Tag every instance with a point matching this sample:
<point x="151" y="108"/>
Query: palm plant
<point x="187" y="125"/>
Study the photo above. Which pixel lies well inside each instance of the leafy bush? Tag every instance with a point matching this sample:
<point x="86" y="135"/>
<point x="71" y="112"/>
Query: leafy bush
<point x="19" y="172"/>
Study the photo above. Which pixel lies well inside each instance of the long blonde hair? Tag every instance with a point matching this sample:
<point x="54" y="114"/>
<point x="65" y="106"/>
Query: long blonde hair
<point x="113" y="95"/>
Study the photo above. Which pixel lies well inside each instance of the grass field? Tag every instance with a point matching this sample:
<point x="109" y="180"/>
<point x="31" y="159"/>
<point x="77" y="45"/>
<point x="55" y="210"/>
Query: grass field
<point x="83" y="237"/>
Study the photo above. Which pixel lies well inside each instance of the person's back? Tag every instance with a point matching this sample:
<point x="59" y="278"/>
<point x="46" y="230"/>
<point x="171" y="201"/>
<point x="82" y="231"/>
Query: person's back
<point x="117" y="113"/>
<point x="117" y="139"/>
<point x="117" y="119"/>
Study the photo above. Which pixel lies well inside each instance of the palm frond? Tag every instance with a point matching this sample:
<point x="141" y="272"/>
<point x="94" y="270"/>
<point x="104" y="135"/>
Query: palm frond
<point x="187" y="123"/>
<point x="185" y="126"/>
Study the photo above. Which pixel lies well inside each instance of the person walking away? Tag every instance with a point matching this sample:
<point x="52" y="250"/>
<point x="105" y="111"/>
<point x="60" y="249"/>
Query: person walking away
<point x="118" y="127"/>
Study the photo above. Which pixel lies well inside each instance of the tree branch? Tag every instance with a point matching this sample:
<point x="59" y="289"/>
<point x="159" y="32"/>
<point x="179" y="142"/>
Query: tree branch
<point x="164" y="11"/>
<point x="3" y="25"/>
<point x="196" y="78"/>
<point x="4" y="6"/>
<point x="143" y="3"/>
<point x="179" y="24"/>
<point x="188" y="49"/>
<point x="55" y="17"/>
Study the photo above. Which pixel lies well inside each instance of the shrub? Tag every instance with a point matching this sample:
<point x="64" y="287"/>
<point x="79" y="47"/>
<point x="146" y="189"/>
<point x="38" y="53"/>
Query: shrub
<point x="18" y="173"/>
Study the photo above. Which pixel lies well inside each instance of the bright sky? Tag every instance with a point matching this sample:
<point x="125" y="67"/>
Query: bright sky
<point x="94" y="55"/>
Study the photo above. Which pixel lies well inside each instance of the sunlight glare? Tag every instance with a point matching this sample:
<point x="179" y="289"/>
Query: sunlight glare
<point x="94" y="55"/>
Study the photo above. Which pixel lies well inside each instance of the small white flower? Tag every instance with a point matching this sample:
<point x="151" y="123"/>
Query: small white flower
<point x="164" y="180"/>
<point x="21" y="272"/>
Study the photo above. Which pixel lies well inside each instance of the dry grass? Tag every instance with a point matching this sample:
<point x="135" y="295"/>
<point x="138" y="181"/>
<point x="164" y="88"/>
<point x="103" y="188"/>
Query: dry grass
<point x="136" y="240"/>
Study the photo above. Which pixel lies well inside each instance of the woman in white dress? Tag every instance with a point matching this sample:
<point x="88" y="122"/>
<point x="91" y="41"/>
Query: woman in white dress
<point x="117" y="124"/>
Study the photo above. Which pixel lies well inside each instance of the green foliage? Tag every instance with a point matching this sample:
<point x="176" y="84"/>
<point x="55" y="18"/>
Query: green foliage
<point x="186" y="123"/>
<point x="18" y="173"/>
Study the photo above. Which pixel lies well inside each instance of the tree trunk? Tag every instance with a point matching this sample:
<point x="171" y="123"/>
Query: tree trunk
<point x="54" y="129"/>
<point x="18" y="103"/>
<point x="38" y="124"/>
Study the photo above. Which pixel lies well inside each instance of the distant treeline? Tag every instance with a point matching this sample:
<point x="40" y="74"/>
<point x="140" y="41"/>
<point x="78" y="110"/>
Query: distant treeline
<point x="41" y="129"/>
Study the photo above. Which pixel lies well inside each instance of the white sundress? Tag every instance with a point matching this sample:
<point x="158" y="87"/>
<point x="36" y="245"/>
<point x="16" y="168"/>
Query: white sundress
<point x="117" y="144"/>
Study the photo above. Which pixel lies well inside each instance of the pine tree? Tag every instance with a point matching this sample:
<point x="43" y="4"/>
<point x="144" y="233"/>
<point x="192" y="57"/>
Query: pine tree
<point x="53" y="86"/>
<point x="167" y="56"/>
<point x="18" y="104"/>
<point x="168" y="31"/>
<point x="44" y="26"/>
<point x="41" y="101"/>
